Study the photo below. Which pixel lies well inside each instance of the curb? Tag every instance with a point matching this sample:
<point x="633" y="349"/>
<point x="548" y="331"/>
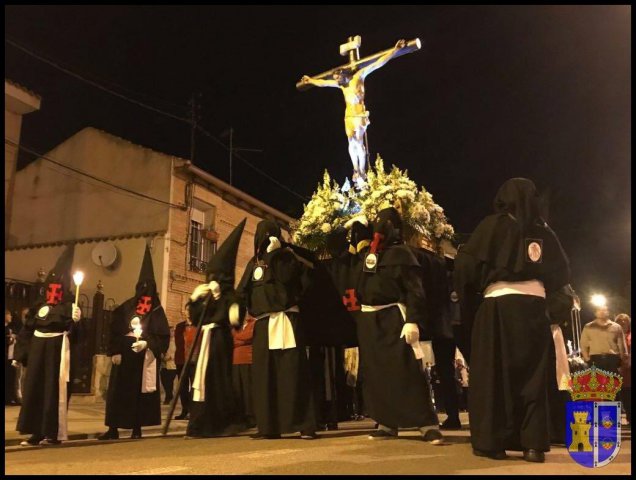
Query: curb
<point x="84" y="439"/>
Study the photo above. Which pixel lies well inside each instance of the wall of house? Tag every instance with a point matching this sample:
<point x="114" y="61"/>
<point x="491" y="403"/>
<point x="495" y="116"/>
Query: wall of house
<point x="52" y="203"/>
<point x="12" y="126"/>
<point x="182" y="280"/>
<point x="119" y="282"/>
<point x="17" y="102"/>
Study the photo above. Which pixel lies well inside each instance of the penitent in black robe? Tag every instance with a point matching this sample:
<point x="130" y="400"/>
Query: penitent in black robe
<point x="282" y="388"/>
<point x="327" y="362"/>
<point x="40" y="410"/>
<point x="126" y="405"/>
<point x="439" y="328"/>
<point x="396" y="392"/>
<point x="511" y="339"/>
<point x="219" y="413"/>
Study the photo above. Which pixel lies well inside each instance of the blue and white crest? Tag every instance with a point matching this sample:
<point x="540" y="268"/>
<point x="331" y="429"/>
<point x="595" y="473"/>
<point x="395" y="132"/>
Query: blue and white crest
<point x="593" y="432"/>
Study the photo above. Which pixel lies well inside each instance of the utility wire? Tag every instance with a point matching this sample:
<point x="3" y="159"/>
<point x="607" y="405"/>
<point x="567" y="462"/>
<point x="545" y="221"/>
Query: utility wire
<point x="154" y="109"/>
<point x="40" y="155"/>
<point x="93" y="83"/>
<point x="89" y="75"/>
<point x="234" y="154"/>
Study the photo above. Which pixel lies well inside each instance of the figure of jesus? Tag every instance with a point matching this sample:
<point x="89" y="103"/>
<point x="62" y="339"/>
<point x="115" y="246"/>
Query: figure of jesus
<point x="356" y="116"/>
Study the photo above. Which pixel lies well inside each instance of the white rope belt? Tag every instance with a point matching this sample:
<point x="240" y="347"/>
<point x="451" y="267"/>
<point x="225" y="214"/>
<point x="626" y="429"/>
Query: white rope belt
<point x="281" y="331"/>
<point x="64" y="378"/>
<point x="149" y="378"/>
<point x="198" y="384"/>
<point x="149" y="374"/>
<point x="530" y="287"/>
<point x="562" y="365"/>
<point x="417" y="346"/>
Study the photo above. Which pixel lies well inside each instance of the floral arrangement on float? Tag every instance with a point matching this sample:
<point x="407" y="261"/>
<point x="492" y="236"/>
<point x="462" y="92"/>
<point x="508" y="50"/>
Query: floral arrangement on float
<point x="332" y="206"/>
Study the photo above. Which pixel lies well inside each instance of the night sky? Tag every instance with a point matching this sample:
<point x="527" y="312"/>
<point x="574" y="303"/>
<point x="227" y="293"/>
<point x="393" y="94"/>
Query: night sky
<point x="496" y="92"/>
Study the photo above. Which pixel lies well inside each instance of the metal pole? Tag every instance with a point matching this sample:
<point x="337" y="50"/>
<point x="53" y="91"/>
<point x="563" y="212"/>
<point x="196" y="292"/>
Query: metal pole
<point x="193" y="125"/>
<point x="231" y="135"/>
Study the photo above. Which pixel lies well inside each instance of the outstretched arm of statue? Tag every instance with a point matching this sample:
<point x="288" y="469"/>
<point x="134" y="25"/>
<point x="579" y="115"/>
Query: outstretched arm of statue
<point x="380" y="62"/>
<point x="319" y="83"/>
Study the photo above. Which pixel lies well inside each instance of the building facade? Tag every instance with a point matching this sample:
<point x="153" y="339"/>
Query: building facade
<point x="18" y="101"/>
<point x="110" y="197"/>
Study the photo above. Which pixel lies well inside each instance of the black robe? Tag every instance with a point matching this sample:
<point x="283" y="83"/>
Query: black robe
<point x="395" y="388"/>
<point x="126" y="405"/>
<point x="511" y="339"/>
<point x="435" y="283"/>
<point x="219" y="414"/>
<point x="326" y="322"/>
<point x="282" y="388"/>
<point x="39" y="414"/>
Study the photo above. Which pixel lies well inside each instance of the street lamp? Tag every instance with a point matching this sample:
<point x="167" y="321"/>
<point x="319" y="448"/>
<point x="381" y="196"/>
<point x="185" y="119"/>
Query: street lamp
<point x="599" y="301"/>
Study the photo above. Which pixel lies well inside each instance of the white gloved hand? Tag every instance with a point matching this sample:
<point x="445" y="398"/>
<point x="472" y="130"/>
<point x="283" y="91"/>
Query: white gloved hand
<point x="139" y="345"/>
<point x="274" y="244"/>
<point x="15" y="363"/>
<point x="77" y="313"/>
<point x="200" y="291"/>
<point x="215" y="288"/>
<point x="411" y="333"/>
<point x="116" y="359"/>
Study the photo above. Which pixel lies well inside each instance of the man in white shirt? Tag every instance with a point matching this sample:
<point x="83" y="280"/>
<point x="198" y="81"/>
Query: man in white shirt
<point x="603" y="342"/>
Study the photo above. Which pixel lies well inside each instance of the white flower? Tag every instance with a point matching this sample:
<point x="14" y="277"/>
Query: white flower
<point x="325" y="227"/>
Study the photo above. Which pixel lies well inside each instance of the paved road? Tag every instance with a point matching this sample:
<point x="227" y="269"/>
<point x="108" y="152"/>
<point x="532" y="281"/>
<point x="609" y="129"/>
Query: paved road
<point x="346" y="451"/>
<point x="84" y="421"/>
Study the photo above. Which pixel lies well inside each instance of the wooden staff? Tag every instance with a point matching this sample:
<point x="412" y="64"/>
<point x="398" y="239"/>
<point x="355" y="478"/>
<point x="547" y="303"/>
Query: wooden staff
<point x="173" y="404"/>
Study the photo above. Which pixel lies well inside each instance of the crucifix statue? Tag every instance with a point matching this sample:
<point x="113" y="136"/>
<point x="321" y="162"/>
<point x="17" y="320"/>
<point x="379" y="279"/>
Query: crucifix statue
<point x="350" y="79"/>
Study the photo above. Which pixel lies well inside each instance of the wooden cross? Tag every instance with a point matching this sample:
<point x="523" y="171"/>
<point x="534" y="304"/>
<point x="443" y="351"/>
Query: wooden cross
<point x="350" y="79"/>
<point x="352" y="48"/>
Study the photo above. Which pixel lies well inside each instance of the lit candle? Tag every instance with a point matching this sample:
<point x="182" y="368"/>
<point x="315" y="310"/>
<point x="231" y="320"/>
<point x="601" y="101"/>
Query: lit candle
<point x="136" y="326"/>
<point x="78" y="278"/>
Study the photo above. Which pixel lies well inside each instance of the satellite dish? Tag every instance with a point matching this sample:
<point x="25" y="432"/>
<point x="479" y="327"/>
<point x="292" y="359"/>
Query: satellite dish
<point x="104" y="254"/>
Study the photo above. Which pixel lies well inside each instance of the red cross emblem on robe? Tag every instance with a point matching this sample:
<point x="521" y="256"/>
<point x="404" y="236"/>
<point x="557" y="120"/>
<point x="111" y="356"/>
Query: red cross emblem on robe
<point x="350" y="300"/>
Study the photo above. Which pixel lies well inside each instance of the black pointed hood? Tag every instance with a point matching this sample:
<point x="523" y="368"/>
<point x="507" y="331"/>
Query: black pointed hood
<point x="387" y="229"/>
<point x="519" y="198"/>
<point x="264" y="230"/>
<point x="222" y="265"/>
<point x="503" y="239"/>
<point x="146" y="285"/>
<point x="59" y="281"/>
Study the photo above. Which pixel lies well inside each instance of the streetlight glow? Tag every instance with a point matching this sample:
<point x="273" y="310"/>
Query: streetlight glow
<point x="599" y="300"/>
